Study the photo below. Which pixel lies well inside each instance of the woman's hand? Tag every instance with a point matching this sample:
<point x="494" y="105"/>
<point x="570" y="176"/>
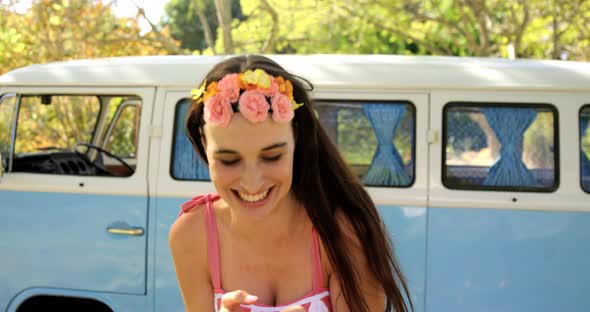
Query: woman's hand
<point x="231" y="301"/>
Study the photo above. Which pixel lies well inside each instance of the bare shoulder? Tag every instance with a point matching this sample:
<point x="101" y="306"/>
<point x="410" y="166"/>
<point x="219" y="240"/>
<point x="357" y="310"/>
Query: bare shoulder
<point x="188" y="245"/>
<point x="188" y="230"/>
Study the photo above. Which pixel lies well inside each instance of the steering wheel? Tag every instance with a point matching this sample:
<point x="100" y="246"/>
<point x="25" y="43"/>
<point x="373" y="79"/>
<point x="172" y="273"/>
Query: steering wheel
<point x="101" y="150"/>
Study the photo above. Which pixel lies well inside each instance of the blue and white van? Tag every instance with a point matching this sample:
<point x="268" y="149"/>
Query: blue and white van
<point x="480" y="169"/>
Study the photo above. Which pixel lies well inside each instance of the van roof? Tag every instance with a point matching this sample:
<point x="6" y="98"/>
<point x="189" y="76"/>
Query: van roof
<point x="372" y="72"/>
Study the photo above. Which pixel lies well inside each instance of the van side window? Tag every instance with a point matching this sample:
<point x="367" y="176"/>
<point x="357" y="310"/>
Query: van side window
<point x="186" y="164"/>
<point x="375" y="138"/>
<point x="122" y="134"/>
<point x="492" y="146"/>
<point x="60" y="134"/>
<point x="585" y="147"/>
<point x="7" y="107"/>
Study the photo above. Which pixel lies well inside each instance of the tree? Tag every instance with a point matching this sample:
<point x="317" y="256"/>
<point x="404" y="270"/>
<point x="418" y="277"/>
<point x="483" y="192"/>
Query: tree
<point x="194" y="23"/>
<point x="518" y="28"/>
<point x="55" y="30"/>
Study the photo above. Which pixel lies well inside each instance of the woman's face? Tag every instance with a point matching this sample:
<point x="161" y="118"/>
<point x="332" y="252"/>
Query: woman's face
<point x="251" y="165"/>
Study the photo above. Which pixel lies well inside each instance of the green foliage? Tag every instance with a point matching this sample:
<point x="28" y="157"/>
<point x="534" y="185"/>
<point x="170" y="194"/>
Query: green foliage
<point x="184" y="23"/>
<point x="441" y="27"/>
<point x="54" y="30"/>
<point x="123" y="139"/>
<point x="61" y="124"/>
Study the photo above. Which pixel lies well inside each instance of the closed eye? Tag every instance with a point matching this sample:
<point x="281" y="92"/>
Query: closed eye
<point x="229" y="162"/>
<point x="271" y="159"/>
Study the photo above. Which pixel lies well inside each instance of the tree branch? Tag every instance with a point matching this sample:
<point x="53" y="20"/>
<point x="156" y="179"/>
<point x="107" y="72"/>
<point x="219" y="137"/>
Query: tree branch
<point x="165" y="41"/>
<point x="224" y="18"/>
<point x="205" y="24"/>
<point x="274" y="30"/>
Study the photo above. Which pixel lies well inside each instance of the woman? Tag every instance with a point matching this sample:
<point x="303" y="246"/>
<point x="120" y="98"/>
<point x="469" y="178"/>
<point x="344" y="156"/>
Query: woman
<point x="291" y="227"/>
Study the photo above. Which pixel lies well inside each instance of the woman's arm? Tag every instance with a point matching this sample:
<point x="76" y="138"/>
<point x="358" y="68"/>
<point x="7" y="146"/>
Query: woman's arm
<point x="188" y="245"/>
<point x="370" y="288"/>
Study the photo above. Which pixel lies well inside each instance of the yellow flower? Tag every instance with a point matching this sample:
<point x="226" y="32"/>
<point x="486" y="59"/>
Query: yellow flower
<point x="196" y="93"/>
<point x="257" y="77"/>
<point x="285" y="87"/>
<point x="211" y="90"/>
<point x="296" y="105"/>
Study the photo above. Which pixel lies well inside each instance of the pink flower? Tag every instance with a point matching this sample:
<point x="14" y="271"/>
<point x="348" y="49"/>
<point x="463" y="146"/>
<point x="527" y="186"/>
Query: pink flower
<point x="282" y="109"/>
<point x="228" y="87"/>
<point x="218" y="110"/>
<point x="254" y="106"/>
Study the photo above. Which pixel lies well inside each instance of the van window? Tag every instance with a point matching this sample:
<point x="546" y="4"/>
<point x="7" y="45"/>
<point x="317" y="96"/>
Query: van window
<point x="123" y="131"/>
<point x="491" y="146"/>
<point x="7" y="107"/>
<point x="186" y="164"/>
<point x="58" y="134"/>
<point x="375" y="138"/>
<point x="585" y="147"/>
<point x="55" y="122"/>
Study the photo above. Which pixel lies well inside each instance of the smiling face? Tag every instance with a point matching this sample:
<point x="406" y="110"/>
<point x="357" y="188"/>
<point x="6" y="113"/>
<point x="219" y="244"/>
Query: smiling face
<point x="251" y="165"/>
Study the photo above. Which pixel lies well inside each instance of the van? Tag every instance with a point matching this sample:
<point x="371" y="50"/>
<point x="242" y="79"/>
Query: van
<point x="479" y="167"/>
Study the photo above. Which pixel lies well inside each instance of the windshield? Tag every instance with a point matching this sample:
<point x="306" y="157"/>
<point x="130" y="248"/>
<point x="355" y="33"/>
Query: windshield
<point x="55" y="122"/>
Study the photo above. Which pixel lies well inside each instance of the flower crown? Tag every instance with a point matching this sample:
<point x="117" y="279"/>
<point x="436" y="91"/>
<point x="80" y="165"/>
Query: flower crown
<point x="260" y="89"/>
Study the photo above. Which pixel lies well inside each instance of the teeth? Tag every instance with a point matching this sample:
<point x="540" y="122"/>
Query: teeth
<point x="253" y="198"/>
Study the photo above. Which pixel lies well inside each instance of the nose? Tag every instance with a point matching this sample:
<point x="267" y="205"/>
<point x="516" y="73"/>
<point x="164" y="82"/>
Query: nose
<point x="252" y="180"/>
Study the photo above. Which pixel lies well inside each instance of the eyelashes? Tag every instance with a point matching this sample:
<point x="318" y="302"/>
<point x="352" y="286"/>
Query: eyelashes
<point x="229" y="162"/>
<point x="271" y="159"/>
<point x="233" y="162"/>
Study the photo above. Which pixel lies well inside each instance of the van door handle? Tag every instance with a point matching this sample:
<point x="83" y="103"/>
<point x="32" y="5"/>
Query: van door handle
<point x="128" y="231"/>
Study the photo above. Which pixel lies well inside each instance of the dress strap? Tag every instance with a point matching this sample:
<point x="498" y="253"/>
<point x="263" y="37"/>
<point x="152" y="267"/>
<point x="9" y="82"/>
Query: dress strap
<point x="212" y="244"/>
<point x="318" y="276"/>
<point x="211" y="232"/>
<point x="196" y="201"/>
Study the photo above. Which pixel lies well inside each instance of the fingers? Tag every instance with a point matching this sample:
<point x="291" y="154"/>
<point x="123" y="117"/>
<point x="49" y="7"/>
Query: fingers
<point x="294" y="309"/>
<point x="231" y="301"/>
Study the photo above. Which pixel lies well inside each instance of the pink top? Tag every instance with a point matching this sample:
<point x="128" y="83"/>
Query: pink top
<point x="317" y="300"/>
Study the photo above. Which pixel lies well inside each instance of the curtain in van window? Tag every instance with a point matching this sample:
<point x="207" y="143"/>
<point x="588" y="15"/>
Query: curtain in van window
<point x="187" y="164"/>
<point x="387" y="167"/>
<point x="509" y="125"/>
<point x="584" y="159"/>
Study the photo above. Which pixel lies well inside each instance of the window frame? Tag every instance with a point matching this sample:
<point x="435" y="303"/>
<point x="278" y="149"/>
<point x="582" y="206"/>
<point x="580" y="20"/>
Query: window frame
<point x="13" y="125"/>
<point x="580" y="137"/>
<point x="136" y="103"/>
<point x="412" y="110"/>
<point x="480" y="104"/>
<point x="20" y="95"/>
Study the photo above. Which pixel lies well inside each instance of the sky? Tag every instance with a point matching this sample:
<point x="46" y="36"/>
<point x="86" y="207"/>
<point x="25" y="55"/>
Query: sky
<point x="154" y="9"/>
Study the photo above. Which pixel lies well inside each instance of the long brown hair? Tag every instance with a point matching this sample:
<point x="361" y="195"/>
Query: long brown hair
<point x="325" y="185"/>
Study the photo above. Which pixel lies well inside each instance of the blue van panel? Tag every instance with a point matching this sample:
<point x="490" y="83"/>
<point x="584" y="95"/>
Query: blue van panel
<point x="506" y="260"/>
<point x="407" y="231"/>
<point x="407" y="228"/>
<point x="167" y="293"/>
<point x="59" y="240"/>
